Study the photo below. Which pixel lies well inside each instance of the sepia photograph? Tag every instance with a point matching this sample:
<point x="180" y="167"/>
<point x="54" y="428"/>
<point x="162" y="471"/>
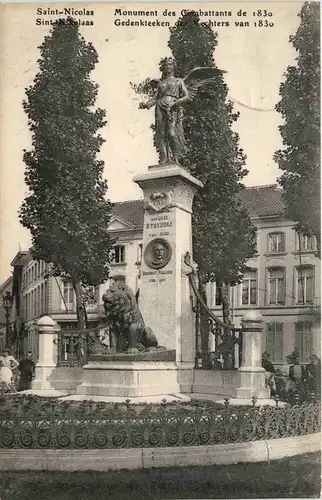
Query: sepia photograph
<point x="160" y="250"/>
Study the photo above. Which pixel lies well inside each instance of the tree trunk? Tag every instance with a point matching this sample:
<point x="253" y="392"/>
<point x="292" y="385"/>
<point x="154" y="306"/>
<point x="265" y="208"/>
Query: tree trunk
<point x="224" y="299"/>
<point x="85" y="316"/>
<point x="204" y="325"/>
<point x="227" y="337"/>
<point x="80" y="309"/>
<point x="81" y="321"/>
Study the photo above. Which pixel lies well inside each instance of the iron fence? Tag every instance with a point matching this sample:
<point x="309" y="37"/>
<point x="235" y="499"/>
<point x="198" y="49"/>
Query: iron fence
<point x="101" y="426"/>
<point x="74" y="347"/>
<point x="69" y="349"/>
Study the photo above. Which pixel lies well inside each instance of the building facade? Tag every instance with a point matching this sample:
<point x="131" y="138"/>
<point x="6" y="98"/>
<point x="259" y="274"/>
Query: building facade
<point x="282" y="280"/>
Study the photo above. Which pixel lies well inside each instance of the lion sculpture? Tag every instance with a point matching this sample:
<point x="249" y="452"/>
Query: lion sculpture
<point x="127" y="324"/>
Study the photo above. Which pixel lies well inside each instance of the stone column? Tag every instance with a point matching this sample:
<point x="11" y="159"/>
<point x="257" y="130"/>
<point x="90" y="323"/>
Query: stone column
<point x="47" y="330"/>
<point x="164" y="288"/>
<point x="252" y="374"/>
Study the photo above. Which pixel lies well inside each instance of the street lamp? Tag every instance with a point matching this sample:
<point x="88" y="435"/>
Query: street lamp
<point x="7" y="304"/>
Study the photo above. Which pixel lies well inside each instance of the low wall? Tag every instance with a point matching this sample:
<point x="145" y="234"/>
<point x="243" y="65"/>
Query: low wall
<point x="138" y="458"/>
<point x="66" y="378"/>
<point x="223" y="383"/>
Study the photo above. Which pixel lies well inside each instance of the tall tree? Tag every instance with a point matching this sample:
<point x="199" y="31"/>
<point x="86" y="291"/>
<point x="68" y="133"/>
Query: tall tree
<point x="223" y="235"/>
<point x="300" y="109"/>
<point x="66" y="209"/>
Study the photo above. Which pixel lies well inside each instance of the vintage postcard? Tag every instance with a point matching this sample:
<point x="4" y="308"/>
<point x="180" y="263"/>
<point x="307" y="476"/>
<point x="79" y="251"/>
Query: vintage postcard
<point x="160" y="246"/>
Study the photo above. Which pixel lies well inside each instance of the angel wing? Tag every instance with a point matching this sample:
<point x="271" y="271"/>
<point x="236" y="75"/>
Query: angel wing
<point x="147" y="87"/>
<point x="199" y="77"/>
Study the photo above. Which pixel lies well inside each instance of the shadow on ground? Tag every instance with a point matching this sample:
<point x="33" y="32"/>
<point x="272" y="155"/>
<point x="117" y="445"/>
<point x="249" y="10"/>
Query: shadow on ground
<point x="296" y="477"/>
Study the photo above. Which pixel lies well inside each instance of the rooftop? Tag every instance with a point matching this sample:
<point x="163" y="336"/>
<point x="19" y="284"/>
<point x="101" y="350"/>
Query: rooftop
<point x="259" y="201"/>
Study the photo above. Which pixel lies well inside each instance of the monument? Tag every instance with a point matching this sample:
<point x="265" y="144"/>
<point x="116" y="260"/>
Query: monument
<point x="165" y="317"/>
<point x="151" y="354"/>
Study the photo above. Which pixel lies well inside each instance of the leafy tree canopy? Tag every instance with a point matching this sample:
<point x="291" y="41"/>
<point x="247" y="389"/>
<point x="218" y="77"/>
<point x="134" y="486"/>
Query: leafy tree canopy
<point x="223" y="236"/>
<point x="66" y="209"/>
<point x="300" y="109"/>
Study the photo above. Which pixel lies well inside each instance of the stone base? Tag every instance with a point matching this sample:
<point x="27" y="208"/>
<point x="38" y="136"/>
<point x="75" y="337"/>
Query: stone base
<point x="42" y="385"/>
<point x="154" y="355"/>
<point x="45" y="393"/>
<point x="129" y="379"/>
<point x="251" y="384"/>
<point x="231" y="384"/>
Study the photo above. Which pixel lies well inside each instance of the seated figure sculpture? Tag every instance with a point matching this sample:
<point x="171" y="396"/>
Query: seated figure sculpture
<point x="128" y="327"/>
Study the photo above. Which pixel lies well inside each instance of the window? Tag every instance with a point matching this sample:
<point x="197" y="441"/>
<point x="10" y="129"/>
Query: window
<point x="37" y="301"/>
<point x="303" y="339"/>
<point x="45" y="311"/>
<point x="304" y="284"/>
<point x="26" y="308"/>
<point x="69" y="296"/>
<point x="29" y="306"/>
<point x="276" y="285"/>
<point x="119" y="253"/>
<point x="34" y="303"/>
<point x="43" y="299"/>
<point x="305" y="243"/>
<point x="249" y="287"/>
<point x="91" y="296"/>
<point x="274" y="341"/>
<point x="276" y="242"/>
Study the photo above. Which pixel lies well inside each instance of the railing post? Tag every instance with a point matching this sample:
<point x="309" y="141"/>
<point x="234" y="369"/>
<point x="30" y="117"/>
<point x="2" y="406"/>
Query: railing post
<point x="252" y="374"/>
<point x="47" y="330"/>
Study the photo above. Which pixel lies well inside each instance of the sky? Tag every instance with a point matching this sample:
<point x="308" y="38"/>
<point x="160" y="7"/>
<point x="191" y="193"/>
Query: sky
<point x="254" y="57"/>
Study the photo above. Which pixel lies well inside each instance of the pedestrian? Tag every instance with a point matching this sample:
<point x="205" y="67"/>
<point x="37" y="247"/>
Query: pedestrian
<point x="313" y="375"/>
<point x="8" y="360"/>
<point x="270" y="373"/>
<point x="297" y="376"/>
<point x="6" y="382"/>
<point x="213" y="361"/>
<point x="27" y="371"/>
<point x="280" y="381"/>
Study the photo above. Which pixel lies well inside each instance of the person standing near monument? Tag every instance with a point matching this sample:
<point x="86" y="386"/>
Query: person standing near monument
<point x="313" y="375"/>
<point x="27" y="371"/>
<point x="270" y="372"/>
<point x="297" y="377"/>
<point x="7" y="364"/>
<point x="8" y="360"/>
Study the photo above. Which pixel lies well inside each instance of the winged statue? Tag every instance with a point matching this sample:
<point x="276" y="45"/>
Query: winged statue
<point x="168" y="94"/>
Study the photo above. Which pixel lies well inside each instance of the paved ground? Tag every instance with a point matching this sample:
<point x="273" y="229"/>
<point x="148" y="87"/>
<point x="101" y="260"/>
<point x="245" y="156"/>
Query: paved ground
<point x="297" y="477"/>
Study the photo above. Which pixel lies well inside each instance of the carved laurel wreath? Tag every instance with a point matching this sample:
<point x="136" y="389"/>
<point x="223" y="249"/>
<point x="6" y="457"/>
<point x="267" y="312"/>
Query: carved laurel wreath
<point x="159" y="202"/>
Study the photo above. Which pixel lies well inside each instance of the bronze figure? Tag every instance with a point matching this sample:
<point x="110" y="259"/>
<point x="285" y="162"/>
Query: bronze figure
<point x="168" y="95"/>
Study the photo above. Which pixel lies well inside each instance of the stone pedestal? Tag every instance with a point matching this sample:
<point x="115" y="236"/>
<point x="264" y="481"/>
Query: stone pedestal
<point x="167" y="235"/>
<point x="42" y="384"/>
<point x="126" y="379"/>
<point x="252" y="374"/>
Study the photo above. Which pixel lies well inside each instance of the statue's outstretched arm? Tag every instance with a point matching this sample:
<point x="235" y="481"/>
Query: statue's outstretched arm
<point x="151" y="102"/>
<point x="150" y="87"/>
